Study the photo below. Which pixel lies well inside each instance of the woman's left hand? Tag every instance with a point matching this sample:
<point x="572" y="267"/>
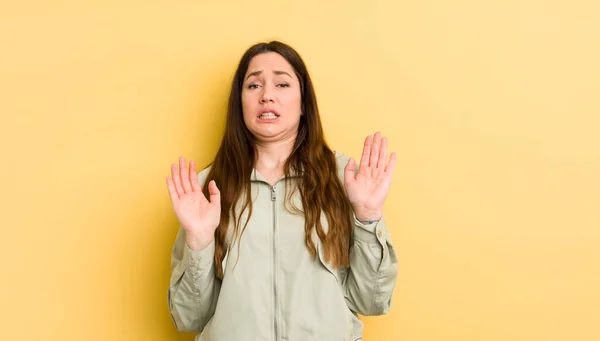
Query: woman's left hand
<point x="369" y="188"/>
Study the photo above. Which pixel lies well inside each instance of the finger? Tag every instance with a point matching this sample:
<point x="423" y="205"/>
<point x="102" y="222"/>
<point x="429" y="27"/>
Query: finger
<point x="185" y="178"/>
<point x="390" y="166"/>
<point x="382" y="154"/>
<point x="194" y="176"/>
<point x="349" y="170"/>
<point x="176" y="179"/>
<point x="364" y="159"/>
<point x="172" y="191"/>
<point x="375" y="150"/>
<point x="215" y="194"/>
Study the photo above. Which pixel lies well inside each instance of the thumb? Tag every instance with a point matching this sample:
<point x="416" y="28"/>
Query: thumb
<point x="215" y="194"/>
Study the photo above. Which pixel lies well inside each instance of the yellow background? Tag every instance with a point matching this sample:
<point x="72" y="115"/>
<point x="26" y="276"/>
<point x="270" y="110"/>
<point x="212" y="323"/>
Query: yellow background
<point x="492" y="106"/>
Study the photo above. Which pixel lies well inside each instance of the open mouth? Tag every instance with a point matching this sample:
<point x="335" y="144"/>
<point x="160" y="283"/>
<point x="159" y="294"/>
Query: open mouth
<point x="268" y="116"/>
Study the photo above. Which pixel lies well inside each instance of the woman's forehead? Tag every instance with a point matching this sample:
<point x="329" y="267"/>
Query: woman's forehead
<point x="270" y="63"/>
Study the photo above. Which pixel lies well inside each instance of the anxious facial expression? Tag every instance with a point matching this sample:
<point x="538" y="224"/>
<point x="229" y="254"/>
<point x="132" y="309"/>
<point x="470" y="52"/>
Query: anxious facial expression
<point x="271" y="98"/>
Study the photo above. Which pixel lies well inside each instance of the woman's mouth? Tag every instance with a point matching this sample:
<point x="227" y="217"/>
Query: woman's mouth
<point x="268" y="116"/>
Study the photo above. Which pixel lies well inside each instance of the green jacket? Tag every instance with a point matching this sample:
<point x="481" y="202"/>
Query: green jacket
<point x="277" y="291"/>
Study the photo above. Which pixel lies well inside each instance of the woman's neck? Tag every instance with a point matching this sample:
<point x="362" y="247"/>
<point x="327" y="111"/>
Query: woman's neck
<point x="271" y="158"/>
<point x="272" y="155"/>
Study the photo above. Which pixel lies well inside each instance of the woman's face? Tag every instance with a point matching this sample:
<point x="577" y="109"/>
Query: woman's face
<point x="271" y="99"/>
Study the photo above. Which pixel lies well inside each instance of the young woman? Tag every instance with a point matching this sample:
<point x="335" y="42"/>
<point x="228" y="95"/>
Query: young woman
<point x="280" y="238"/>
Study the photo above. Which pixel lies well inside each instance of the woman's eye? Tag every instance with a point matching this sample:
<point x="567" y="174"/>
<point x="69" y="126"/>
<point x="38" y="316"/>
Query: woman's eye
<point x="253" y="86"/>
<point x="284" y="85"/>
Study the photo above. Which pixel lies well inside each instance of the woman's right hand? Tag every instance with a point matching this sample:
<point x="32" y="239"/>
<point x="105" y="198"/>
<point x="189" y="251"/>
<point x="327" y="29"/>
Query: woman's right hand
<point x="198" y="216"/>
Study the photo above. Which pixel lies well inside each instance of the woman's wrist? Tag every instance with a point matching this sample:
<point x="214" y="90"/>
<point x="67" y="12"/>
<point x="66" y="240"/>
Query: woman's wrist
<point x="368" y="216"/>
<point x="197" y="244"/>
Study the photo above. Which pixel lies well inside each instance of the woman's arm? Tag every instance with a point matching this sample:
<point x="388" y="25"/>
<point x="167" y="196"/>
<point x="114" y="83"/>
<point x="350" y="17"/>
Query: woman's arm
<point x="371" y="277"/>
<point x="194" y="286"/>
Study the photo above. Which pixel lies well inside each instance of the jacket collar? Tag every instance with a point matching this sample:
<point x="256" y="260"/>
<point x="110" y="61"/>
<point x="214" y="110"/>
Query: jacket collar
<point x="256" y="176"/>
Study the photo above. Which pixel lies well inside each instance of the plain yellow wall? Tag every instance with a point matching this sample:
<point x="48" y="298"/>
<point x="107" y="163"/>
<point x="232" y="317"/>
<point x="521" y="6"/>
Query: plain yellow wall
<point x="492" y="106"/>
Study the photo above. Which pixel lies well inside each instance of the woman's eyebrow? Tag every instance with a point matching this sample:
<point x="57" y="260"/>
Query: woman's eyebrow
<point x="255" y="73"/>
<point x="282" y="73"/>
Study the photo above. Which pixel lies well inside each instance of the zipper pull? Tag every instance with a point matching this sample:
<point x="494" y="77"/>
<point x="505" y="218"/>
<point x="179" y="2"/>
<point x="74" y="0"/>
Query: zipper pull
<point x="273" y="197"/>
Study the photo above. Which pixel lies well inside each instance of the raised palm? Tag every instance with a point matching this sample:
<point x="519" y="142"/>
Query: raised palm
<point x="368" y="189"/>
<point x="198" y="216"/>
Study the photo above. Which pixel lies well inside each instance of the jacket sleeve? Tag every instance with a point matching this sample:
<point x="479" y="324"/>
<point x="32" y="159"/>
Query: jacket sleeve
<point x="194" y="287"/>
<point x="371" y="276"/>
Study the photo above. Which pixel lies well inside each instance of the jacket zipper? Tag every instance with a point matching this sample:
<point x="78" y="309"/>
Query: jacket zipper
<point x="274" y="200"/>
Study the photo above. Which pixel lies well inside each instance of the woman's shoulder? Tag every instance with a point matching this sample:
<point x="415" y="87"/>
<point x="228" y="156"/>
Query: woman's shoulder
<point x="203" y="174"/>
<point x="342" y="160"/>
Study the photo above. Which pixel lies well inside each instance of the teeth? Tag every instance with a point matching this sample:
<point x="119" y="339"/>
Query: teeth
<point x="268" y="115"/>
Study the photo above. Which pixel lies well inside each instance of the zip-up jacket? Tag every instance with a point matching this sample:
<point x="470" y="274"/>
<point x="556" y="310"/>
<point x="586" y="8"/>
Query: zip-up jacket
<point x="272" y="288"/>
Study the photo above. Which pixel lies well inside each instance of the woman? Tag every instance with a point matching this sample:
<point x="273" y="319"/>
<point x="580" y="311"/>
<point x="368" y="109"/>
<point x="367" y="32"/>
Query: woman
<point x="280" y="238"/>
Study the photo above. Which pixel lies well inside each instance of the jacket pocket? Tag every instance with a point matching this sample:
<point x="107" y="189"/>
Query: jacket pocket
<point x="326" y="265"/>
<point x="338" y="275"/>
<point x="204" y="335"/>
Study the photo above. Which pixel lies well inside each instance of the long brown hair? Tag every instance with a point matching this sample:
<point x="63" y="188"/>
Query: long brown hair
<point x="311" y="160"/>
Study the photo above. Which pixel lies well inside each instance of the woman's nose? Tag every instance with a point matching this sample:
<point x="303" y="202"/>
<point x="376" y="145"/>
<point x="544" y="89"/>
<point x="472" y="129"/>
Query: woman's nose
<point x="266" y="96"/>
